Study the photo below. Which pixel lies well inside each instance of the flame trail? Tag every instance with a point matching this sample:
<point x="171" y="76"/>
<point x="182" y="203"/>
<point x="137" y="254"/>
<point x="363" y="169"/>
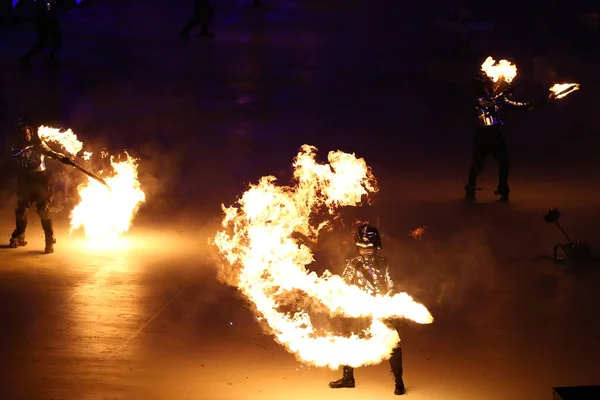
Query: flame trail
<point x="560" y="90"/>
<point x="502" y="70"/>
<point x="266" y="261"/>
<point x="103" y="214"/>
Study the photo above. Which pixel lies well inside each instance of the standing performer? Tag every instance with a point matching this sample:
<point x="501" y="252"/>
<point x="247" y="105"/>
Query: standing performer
<point x="48" y="30"/>
<point x="33" y="183"/>
<point x="371" y="272"/>
<point x="489" y="139"/>
<point x="203" y="15"/>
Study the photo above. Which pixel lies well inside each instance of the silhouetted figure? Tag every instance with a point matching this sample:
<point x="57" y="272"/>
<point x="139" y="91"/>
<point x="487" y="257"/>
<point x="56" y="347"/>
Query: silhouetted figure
<point x="203" y="15"/>
<point x="257" y="2"/>
<point x="48" y="32"/>
<point x="489" y="139"/>
<point x="33" y="183"/>
<point x="371" y="273"/>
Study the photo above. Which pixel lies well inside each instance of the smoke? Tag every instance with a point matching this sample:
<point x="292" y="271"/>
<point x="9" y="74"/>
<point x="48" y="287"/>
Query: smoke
<point x="442" y="272"/>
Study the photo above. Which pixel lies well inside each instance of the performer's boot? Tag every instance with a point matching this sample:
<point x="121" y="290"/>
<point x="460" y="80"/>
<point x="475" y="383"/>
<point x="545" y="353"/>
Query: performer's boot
<point x="470" y="192"/>
<point x="50" y="241"/>
<point x="18" y="236"/>
<point x="503" y="191"/>
<point x="17" y="241"/>
<point x="347" y="380"/>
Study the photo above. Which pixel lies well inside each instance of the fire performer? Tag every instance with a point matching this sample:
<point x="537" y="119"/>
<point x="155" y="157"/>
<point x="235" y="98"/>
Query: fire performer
<point x="489" y="139"/>
<point x="48" y="30"/>
<point x="371" y="272"/>
<point x="33" y="183"/>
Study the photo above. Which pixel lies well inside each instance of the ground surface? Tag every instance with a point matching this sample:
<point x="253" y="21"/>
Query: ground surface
<point x="150" y="320"/>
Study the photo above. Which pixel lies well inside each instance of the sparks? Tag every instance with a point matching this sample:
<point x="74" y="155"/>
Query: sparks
<point x="266" y="261"/>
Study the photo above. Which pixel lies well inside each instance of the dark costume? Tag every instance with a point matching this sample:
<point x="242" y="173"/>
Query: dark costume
<point x="203" y="15"/>
<point x="489" y="139"/>
<point x="48" y="31"/>
<point x="371" y="273"/>
<point x="33" y="184"/>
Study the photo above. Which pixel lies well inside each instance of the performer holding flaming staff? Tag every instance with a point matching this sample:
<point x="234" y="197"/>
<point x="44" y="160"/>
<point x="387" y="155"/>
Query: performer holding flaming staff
<point x="33" y="183"/>
<point x="489" y="139"/>
<point x="371" y="272"/>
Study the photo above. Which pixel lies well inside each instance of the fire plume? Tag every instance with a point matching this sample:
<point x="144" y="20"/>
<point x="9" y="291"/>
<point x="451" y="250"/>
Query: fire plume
<point x="104" y="214"/>
<point x="266" y="260"/>
<point x="503" y="70"/>
<point x="65" y="138"/>
<point x="560" y="90"/>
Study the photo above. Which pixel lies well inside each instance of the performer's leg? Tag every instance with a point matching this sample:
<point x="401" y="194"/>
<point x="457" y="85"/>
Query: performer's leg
<point x="43" y="203"/>
<point x="396" y="364"/>
<point x="480" y="153"/>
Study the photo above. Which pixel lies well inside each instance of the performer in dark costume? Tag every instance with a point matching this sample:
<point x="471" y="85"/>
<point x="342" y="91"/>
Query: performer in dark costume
<point x="33" y="183"/>
<point x="48" y="30"/>
<point x="203" y="15"/>
<point x="371" y="272"/>
<point x="489" y="139"/>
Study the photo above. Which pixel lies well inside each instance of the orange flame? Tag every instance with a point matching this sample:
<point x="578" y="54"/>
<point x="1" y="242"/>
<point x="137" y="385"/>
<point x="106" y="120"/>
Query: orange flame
<point x="503" y="70"/>
<point x="67" y="139"/>
<point x="267" y="261"/>
<point x="560" y="90"/>
<point x="418" y="233"/>
<point x="103" y="214"/>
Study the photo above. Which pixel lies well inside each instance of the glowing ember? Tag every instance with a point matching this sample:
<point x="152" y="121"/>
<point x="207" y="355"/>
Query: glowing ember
<point x="560" y="90"/>
<point x="418" y="233"/>
<point x="105" y="214"/>
<point x="67" y="139"/>
<point x="86" y="155"/>
<point x="503" y="70"/>
<point x="267" y="261"/>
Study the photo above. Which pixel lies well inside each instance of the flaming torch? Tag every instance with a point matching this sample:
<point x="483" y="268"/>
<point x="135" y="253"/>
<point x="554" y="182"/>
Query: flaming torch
<point x="560" y="90"/>
<point x="503" y="69"/>
<point x="107" y="204"/>
<point x="266" y="260"/>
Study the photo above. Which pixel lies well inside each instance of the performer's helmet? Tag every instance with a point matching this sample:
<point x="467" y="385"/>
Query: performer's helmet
<point x="367" y="236"/>
<point x="23" y="124"/>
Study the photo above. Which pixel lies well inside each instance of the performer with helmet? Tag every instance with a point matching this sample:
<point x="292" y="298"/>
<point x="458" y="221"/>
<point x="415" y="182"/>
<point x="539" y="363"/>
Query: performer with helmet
<point x="48" y="29"/>
<point x="33" y="183"/>
<point x="370" y="271"/>
<point x="489" y="139"/>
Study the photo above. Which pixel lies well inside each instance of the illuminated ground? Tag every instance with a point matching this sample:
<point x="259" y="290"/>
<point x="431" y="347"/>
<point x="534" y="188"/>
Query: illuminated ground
<point x="150" y="321"/>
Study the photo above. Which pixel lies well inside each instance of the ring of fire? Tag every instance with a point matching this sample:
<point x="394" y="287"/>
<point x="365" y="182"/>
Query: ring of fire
<point x="266" y="261"/>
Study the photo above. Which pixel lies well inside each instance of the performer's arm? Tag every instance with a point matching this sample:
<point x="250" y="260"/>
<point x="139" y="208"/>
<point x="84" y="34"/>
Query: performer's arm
<point x="516" y="104"/>
<point x="48" y="152"/>
<point x="389" y="279"/>
<point x="349" y="273"/>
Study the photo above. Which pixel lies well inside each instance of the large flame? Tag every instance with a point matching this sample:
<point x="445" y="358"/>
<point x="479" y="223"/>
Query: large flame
<point x="104" y="214"/>
<point x="267" y="260"/>
<point x="65" y="138"/>
<point x="504" y="70"/>
<point x="560" y="90"/>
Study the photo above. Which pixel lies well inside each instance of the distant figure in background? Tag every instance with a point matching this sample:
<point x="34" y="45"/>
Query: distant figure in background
<point x="489" y="139"/>
<point x="48" y="31"/>
<point x="257" y="2"/>
<point x="203" y="15"/>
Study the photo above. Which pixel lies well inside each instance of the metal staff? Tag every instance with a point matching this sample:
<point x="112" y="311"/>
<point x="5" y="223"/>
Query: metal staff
<point x="88" y="173"/>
